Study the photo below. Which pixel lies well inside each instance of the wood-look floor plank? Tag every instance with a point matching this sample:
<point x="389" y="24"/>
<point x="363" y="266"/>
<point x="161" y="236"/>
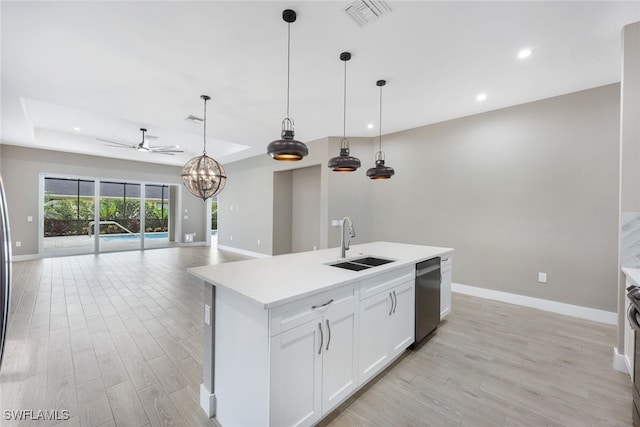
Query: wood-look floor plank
<point x="139" y="371"/>
<point x="112" y="369"/>
<point x="159" y="407"/>
<point x="168" y="374"/>
<point x="93" y="404"/>
<point x="125" y="406"/>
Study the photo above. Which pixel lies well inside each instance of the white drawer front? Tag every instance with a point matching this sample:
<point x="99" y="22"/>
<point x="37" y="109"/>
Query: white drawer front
<point x="296" y="313"/>
<point x="382" y="282"/>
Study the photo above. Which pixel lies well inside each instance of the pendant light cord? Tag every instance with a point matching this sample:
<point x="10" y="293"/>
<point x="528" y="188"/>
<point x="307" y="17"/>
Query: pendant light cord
<point x="344" y="116"/>
<point x="288" y="63"/>
<point x="380" y="118"/>
<point x="204" y="137"/>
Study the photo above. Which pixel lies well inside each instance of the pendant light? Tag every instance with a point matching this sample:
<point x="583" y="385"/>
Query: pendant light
<point x="380" y="171"/>
<point x="203" y="176"/>
<point x="344" y="162"/>
<point x="286" y="148"/>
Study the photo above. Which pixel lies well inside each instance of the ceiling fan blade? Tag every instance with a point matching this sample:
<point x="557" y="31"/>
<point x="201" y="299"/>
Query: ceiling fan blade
<point x="163" y="152"/>
<point x="116" y="143"/>
<point x="124" y="147"/>
<point x="162" y="147"/>
<point x="166" y="150"/>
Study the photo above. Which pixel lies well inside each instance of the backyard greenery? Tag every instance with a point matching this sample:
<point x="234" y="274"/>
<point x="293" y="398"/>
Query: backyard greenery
<point x="69" y="217"/>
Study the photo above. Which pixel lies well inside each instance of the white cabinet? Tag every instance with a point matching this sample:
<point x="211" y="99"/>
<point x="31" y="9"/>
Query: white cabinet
<point x="402" y="319"/>
<point x="445" y="286"/>
<point x="296" y="374"/>
<point x="339" y="374"/>
<point x="313" y="365"/>
<point x="386" y="328"/>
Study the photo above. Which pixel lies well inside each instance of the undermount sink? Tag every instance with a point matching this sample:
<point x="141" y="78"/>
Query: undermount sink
<point x="372" y="261"/>
<point x="361" y="263"/>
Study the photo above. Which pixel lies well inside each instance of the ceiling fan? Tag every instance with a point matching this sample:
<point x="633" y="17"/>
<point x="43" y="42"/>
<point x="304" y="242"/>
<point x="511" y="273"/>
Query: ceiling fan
<point x="143" y="145"/>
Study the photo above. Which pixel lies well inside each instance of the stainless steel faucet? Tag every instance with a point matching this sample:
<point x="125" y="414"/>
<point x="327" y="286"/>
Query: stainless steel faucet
<point x="344" y="243"/>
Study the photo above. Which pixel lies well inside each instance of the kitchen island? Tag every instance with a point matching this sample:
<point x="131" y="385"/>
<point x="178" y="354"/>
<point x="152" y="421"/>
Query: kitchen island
<point x="290" y="337"/>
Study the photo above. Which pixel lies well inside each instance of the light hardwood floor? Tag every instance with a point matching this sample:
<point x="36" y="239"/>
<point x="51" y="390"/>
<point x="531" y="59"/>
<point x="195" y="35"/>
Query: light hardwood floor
<point x="117" y="340"/>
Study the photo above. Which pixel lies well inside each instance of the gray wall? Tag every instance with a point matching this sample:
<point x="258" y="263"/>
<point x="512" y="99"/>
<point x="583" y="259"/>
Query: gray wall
<point x="517" y="191"/>
<point x="527" y="189"/>
<point x="21" y="168"/>
<point x="246" y="206"/>
<point x="351" y="193"/>
<point x="282" y="211"/>
<point x="305" y="215"/>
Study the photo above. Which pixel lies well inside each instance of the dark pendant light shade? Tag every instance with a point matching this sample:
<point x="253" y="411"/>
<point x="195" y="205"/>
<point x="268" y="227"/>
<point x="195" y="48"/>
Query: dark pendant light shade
<point x="344" y="162"/>
<point x="287" y="148"/>
<point x="203" y="176"/>
<point x="380" y="170"/>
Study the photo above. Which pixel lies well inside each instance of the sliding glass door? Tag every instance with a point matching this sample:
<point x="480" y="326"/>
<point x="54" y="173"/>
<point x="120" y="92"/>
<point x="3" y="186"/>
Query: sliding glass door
<point x="68" y="216"/>
<point x="156" y="216"/>
<point x="119" y="216"/>
<point x="83" y="216"/>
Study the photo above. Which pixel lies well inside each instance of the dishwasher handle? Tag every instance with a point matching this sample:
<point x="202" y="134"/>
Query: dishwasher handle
<point x="427" y="270"/>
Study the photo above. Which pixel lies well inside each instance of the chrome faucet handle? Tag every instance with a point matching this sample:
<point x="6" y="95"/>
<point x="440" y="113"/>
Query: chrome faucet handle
<point x="352" y="231"/>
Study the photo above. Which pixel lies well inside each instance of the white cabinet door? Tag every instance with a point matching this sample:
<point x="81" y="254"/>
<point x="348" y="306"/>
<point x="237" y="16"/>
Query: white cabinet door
<point x="296" y="375"/>
<point x="373" y="350"/>
<point x="402" y="318"/>
<point x="339" y="372"/>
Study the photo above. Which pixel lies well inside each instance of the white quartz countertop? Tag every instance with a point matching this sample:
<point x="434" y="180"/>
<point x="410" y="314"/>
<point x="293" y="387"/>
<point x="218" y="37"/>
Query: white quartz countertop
<point x="633" y="274"/>
<point x="280" y="279"/>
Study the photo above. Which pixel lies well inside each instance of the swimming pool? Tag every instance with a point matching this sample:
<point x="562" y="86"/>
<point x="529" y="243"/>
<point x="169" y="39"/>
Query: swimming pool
<point x="136" y="236"/>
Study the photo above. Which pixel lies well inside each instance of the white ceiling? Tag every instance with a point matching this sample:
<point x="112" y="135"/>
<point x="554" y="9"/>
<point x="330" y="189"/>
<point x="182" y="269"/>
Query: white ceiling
<point x="109" y="68"/>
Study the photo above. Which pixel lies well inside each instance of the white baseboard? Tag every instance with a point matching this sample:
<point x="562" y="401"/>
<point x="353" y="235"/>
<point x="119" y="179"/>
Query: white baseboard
<point x="207" y="401"/>
<point x="28" y="257"/>
<point x="445" y="312"/>
<point x="243" y="252"/>
<point x="621" y="362"/>
<point x="193" y="244"/>
<point x="608" y="317"/>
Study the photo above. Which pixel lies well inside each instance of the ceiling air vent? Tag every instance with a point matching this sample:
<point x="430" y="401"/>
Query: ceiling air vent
<point x="364" y="12"/>
<point x="194" y="119"/>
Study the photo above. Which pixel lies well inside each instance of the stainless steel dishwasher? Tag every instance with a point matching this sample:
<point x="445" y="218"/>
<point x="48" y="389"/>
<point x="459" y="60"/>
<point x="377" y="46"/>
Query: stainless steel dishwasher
<point x="427" y="298"/>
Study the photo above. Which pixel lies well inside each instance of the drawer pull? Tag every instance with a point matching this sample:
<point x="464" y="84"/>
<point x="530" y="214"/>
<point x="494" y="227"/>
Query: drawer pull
<point x="321" y="337"/>
<point x="329" y="337"/>
<point x="391" y="309"/>
<point x="313" y="307"/>
<point x="395" y="305"/>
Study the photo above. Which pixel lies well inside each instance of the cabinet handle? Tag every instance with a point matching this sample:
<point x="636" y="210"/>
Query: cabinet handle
<point x="329" y="337"/>
<point x="321" y="337"/>
<point x="391" y="309"/>
<point x="395" y="305"/>
<point x="633" y="320"/>
<point x="313" y="307"/>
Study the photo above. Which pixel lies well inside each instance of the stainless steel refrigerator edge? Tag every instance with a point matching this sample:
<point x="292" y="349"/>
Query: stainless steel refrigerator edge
<point x="428" y="280"/>
<point x="5" y="269"/>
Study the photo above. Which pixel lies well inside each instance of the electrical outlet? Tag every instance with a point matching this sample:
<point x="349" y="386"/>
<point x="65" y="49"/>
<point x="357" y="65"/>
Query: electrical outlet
<point x="18" y="243"/>
<point x="335" y="223"/>
<point x="230" y="237"/>
<point x="207" y="314"/>
<point x="542" y="277"/>
<point x="258" y="242"/>
<point x="29" y="218"/>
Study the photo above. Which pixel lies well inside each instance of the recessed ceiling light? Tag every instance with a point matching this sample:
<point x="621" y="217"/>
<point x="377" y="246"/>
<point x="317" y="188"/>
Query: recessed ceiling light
<point x="481" y="97"/>
<point x="524" y="53"/>
<point x="77" y="129"/>
<point x="370" y="126"/>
